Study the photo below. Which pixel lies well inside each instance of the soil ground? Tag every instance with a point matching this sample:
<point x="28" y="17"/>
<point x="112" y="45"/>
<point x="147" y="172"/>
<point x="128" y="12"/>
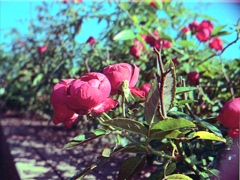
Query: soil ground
<point x="35" y="148"/>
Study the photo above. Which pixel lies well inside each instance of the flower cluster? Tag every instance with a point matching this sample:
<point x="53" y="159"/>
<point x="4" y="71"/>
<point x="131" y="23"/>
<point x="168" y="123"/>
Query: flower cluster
<point x="203" y="33"/>
<point x="91" y="92"/>
<point x="229" y="116"/>
<point x="154" y="40"/>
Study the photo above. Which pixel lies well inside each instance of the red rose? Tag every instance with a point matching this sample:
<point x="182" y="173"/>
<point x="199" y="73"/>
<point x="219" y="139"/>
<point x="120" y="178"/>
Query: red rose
<point x="90" y="92"/>
<point x="204" y="31"/>
<point x="91" y="40"/>
<point x="193" y="26"/>
<point x="229" y="115"/>
<point x="118" y="73"/>
<point x="165" y="44"/>
<point x="193" y="78"/>
<point x="42" y="49"/>
<point x="135" y="51"/>
<point x="58" y="100"/>
<point x="185" y="29"/>
<point x="216" y="43"/>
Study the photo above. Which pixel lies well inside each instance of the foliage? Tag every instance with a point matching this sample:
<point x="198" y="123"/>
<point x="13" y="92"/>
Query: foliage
<point x="175" y="124"/>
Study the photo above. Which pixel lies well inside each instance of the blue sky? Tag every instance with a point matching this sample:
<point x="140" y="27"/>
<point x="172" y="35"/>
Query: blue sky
<point x="17" y="14"/>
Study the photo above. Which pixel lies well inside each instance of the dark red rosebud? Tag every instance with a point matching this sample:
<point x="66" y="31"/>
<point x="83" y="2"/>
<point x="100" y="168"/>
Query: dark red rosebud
<point x="135" y="51"/>
<point x="193" y="78"/>
<point x="193" y="26"/>
<point x="91" y="40"/>
<point x="185" y="29"/>
<point x="42" y="49"/>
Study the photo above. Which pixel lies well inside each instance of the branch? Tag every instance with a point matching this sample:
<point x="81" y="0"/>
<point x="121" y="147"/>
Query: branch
<point x="218" y="54"/>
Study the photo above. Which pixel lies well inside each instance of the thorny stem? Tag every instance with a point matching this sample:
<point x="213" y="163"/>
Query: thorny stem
<point x="228" y="81"/>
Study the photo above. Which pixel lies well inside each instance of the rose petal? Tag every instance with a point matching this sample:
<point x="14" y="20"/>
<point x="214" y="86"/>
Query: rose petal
<point x="106" y="106"/>
<point x="135" y="75"/>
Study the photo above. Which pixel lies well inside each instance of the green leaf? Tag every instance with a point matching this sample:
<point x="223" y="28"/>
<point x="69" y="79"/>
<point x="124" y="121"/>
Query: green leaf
<point x="37" y="79"/>
<point x="207" y="136"/>
<point x="124" y="35"/>
<point x="152" y="101"/>
<point x="172" y="134"/>
<point x="106" y="152"/>
<point x="130" y="167"/>
<point x="221" y="33"/>
<point x="178" y="177"/>
<point x="178" y="103"/>
<point x="128" y="124"/>
<point x="186" y="43"/>
<point x="169" y="86"/>
<point x="180" y="90"/>
<point x="172" y="124"/>
<point x="170" y="168"/>
<point x="211" y="127"/>
<point x="218" y="29"/>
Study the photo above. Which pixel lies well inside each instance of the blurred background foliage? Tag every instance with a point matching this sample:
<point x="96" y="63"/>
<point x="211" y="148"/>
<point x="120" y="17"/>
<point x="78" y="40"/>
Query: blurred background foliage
<point x="27" y="75"/>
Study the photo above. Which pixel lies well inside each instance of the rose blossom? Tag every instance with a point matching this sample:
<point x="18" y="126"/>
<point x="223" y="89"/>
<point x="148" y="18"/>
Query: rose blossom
<point x="62" y="112"/>
<point x="185" y="29"/>
<point x="204" y="31"/>
<point x="193" y="78"/>
<point x="229" y="116"/>
<point x="216" y="43"/>
<point x="118" y="73"/>
<point x="90" y="92"/>
<point x="91" y="40"/>
<point x="42" y="49"/>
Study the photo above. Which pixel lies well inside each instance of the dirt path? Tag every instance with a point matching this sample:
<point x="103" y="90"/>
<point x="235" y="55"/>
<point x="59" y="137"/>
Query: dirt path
<point x="36" y="148"/>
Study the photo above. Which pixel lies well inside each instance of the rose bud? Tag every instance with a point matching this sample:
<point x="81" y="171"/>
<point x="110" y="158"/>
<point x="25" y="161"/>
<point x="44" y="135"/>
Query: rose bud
<point x="165" y="44"/>
<point x="216" y="43"/>
<point x="91" y="92"/>
<point x="229" y="115"/>
<point x="185" y="29"/>
<point x="141" y="92"/>
<point x="62" y="113"/>
<point x="42" y="49"/>
<point x="175" y="61"/>
<point x="118" y="73"/>
<point x="91" y="40"/>
<point x="135" y="51"/>
<point x="193" y="78"/>
<point x="204" y="31"/>
<point x="193" y="26"/>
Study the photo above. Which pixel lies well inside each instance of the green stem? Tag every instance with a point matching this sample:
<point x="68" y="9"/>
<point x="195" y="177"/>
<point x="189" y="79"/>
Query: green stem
<point x="123" y="105"/>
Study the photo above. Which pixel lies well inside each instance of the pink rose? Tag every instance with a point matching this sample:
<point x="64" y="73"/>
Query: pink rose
<point x="229" y="115"/>
<point x="63" y="114"/>
<point x="42" y="49"/>
<point x="185" y="29"/>
<point x="204" y="31"/>
<point x="90" y="92"/>
<point x="91" y="40"/>
<point x="118" y="73"/>
<point x="216" y="43"/>
<point x="193" y="78"/>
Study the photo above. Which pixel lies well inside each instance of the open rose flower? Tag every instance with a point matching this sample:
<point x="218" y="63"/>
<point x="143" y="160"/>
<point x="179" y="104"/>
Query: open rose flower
<point x="216" y="43"/>
<point x="204" y="31"/>
<point x="62" y="113"/>
<point x="118" y="73"/>
<point x="91" y="93"/>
